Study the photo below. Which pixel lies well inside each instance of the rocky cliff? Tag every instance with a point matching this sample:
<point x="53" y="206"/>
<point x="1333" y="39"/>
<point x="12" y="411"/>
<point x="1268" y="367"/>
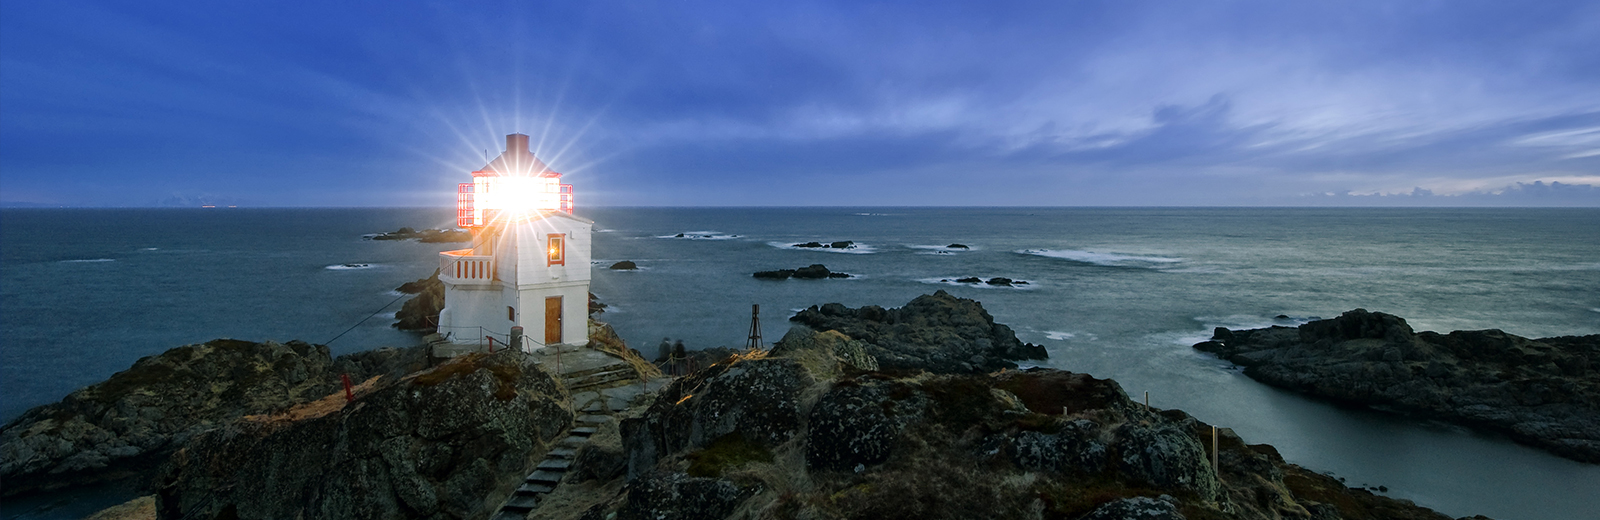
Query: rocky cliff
<point x="806" y="432"/>
<point x="422" y="311"/>
<point x="126" y="425"/>
<point x="449" y="442"/>
<point x="1543" y="392"/>
<point x="934" y="332"/>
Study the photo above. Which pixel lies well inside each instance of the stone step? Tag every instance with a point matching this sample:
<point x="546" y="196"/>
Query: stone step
<point x="521" y="503"/>
<point x="591" y="419"/>
<point x="590" y="371"/>
<point x="562" y="452"/>
<point x="555" y="464"/>
<point x="546" y="476"/>
<point x="509" y="515"/>
<point x="529" y="488"/>
<point x="573" y="441"/>
<point x="604" y="405"/>
<point x="584" y="431"/>
<point x="600" y="380"/>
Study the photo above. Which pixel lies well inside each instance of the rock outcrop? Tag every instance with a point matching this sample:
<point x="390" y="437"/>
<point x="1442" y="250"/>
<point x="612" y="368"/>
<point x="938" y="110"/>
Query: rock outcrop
<point x="934" y="332"/>
<point x="811" y="272"/>
<point x="421" y="313"/>
<point x="426" y="235"/>
<point x="127" y="424"/>
<point x="625" y="265"/>
<point x="1543" y="392"/>
<point x="801" y="433"/>
<point x="838" y="244"/>
<point x="450" y="442"/>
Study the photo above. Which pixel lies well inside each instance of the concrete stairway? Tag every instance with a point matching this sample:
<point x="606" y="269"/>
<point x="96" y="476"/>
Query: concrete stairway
<point x="548" y="474"/>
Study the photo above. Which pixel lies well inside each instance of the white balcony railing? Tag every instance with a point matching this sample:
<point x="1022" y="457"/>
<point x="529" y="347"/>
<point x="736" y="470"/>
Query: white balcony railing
<point x="462" y="265"/>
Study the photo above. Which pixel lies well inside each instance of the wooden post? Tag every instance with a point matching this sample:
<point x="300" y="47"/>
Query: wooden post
<point x="348" y="394"/>
<point x="1146" y="398"/>
<point x="1214" y="469"/>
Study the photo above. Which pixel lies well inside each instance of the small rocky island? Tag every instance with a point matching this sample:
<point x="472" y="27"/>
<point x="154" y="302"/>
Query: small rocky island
<point x="426" y="235"/>
<point x="838" y="244"/>
<point x="1542" y="392"/>
<point x="811" y="272"/>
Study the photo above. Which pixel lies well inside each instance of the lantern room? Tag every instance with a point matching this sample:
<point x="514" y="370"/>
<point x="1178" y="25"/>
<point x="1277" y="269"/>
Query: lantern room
<point x="515" y="182"/>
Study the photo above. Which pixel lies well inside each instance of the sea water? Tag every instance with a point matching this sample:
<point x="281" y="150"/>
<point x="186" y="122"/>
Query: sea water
<point x="1118" y="293"/>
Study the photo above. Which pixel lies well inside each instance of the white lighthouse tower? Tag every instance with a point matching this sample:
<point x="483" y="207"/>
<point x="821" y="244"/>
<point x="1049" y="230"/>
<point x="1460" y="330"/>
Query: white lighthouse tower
<point x="528" y="265"/>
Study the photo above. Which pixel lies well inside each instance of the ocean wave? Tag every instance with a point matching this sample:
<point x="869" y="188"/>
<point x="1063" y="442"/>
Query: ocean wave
<point x="150" y="249"/>
<point x="350" y="267"/>
<point x="854" y="249"/>
<point x="1097" y="258"/>
<point x="1059" y="335"/>
<point x="951" y="280"/>
<point x="923" y="249"/>
<point x="700" y="235"/>
<point x="88" y="261"/>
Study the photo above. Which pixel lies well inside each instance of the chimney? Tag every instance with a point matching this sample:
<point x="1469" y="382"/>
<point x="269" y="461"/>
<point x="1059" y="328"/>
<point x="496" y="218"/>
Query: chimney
<point x="517" y="145"/>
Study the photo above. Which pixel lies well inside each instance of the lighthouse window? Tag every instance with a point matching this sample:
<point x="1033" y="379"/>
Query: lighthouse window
<point x="511" y="313"/>
<point x="557" y="252"/>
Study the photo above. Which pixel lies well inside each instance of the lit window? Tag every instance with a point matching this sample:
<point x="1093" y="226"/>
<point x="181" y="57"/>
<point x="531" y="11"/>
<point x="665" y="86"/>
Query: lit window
<point x="558" y="250"/>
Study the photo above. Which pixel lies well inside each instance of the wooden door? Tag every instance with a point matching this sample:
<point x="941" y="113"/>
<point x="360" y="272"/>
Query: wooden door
<point x="552" y="320"/>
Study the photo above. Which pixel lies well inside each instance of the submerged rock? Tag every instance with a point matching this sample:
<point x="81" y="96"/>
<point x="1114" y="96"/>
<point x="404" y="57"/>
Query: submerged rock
<point x="625" y="265"/>
<point x="1541" y="392"/>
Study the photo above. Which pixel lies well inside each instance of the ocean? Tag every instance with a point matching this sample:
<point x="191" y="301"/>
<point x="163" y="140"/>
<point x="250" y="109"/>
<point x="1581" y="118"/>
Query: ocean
<point x="1113" y="292"/>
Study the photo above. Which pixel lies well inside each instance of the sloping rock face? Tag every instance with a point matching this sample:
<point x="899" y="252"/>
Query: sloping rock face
<point x="1544" y="392"/>
<point x="451" y="442"/>
<point x="817" y="441"/>
<point x="421" y="312"/>
<point x="758" y="400"/>
<point x="934" y="332"/>
<point x="125" y="426"/>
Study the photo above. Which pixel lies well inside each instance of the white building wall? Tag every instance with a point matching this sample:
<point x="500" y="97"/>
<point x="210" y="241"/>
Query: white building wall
<point x="524" y="279"/>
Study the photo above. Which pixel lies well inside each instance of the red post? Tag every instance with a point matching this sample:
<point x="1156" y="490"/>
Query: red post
<point x="348" y="394"/>
<point x="491" y="344"/>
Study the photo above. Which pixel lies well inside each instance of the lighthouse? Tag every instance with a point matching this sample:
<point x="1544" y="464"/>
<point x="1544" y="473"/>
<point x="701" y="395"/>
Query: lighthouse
<point x="528" y="265"/>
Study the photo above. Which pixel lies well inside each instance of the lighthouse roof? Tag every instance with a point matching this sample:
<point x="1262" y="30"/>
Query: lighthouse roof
<point x="517" y="160"/>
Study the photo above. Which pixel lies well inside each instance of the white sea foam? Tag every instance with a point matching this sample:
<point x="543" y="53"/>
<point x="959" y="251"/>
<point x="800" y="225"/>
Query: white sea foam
<point x="1098" y="258"/>
<point x="88" y="261"/>
<point x="349" y="267"/>
<point x="854" y="249"/>
<point x="150" y="249"/>
<point x="1059" y="335"/>
<point x="700" y="235"/>
<point x="951" y="280"/>
<point x="924" y="249"/>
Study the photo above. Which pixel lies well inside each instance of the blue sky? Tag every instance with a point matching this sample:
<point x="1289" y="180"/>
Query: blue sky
<point x="691" y="103"/>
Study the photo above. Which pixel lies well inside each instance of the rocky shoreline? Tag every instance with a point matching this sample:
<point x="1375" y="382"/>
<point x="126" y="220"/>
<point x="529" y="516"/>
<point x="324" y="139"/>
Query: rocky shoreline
<point x="1541" y="392"/>
<point x="910" y="412"/>
<point x="125" y="426"/>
